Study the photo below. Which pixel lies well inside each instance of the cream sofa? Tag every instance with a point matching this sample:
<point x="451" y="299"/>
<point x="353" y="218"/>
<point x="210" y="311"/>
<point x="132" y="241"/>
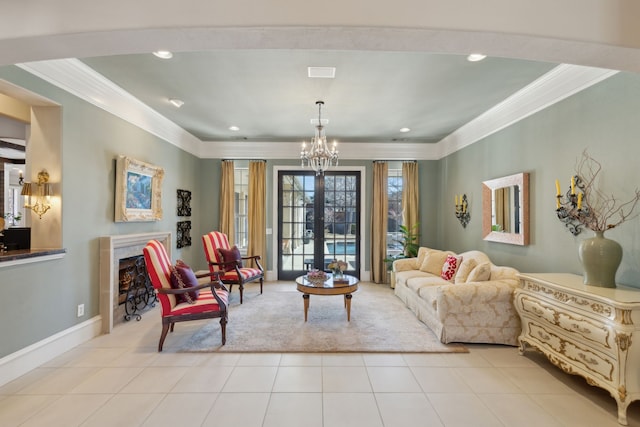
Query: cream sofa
<point x="474" y="306"/>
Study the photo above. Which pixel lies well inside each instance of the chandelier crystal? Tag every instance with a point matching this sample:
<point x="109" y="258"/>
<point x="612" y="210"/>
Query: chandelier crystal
<point x="319" y="156"/>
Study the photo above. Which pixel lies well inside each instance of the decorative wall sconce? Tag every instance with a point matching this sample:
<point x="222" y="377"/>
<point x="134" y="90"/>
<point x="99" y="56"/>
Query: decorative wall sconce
<point x="39" y="193"/>
<point x="569" y="208"/>
<point x="462" y="210"/>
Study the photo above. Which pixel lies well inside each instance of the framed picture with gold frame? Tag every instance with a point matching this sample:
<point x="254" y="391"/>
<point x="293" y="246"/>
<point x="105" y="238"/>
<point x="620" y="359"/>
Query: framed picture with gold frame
<point x="138" y="190"/>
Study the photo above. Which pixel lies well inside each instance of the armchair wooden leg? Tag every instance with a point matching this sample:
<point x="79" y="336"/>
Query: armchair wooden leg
<point x="223" y="329"/>
<point x="261" y="280"/>
<point x="163" y="335"/>
<point x="241" y="291"/>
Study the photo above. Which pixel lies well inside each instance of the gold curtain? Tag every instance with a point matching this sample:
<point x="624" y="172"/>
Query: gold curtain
<point x="379" y="215"/>
<point x="227" y="201"/>
<point x="257" y="218"/>
<point x="410" y="195"/>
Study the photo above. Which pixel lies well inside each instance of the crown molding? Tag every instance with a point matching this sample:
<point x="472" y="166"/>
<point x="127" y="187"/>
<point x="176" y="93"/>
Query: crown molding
<point x="75" y="77"/>
<point x="554" y="86"/>
<point x="80" y="80"/>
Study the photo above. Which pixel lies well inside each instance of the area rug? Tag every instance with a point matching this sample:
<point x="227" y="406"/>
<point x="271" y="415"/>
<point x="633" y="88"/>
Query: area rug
<point x="274" y="322"/>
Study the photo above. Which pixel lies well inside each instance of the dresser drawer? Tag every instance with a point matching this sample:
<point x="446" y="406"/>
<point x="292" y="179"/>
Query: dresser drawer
<point x="576" y="325"/>
<point x="575" y="354"/>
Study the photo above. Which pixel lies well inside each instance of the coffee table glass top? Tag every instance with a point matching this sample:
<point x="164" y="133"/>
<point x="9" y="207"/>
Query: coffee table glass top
<point x="346" y="281"/>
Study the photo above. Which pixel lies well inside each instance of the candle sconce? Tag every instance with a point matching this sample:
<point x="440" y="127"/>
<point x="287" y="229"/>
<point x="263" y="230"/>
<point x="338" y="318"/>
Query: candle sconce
<point x="38" y="195"/>
<point x="571" y="208"/>
<point x="462" y="210"/>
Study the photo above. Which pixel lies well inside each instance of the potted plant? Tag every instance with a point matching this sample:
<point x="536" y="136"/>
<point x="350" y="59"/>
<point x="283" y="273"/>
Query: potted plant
<point x="409" y="241"/>
<point x="13" y="219"/>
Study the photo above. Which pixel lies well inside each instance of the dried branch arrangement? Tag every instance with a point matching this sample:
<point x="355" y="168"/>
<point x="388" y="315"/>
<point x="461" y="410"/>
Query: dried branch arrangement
<point x="593" y="208"/>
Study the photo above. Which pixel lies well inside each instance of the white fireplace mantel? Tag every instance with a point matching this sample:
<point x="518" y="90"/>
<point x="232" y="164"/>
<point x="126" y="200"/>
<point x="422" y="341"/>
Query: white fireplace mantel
<point x="112" y="249"/>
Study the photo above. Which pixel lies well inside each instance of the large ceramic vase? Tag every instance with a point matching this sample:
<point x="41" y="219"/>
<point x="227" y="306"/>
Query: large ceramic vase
<point x="600" y="259"/>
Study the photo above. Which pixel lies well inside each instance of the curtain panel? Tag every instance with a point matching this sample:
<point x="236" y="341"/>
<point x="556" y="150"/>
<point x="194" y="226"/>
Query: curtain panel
<point x="257" y="244"/>
<point x="227" y="201"/>
<point x="410" y="194"/>
<point x="379" y="215"/>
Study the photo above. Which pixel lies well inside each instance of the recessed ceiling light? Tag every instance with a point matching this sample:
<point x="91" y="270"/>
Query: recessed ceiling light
<point x="405" y="130"/>
<point x="475" y="57"/>
<point x="234" y="128"/>
<point x="176" y="102"/>
<point x="321" y="72"/>
<point x="164" y="54"/>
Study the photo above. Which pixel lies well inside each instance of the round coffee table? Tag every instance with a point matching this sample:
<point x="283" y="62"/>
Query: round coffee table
<point x="346" y="287"/>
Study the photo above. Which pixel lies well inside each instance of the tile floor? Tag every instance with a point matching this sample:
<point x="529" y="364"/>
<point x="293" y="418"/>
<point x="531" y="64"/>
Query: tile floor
<point x="120" y="380"/>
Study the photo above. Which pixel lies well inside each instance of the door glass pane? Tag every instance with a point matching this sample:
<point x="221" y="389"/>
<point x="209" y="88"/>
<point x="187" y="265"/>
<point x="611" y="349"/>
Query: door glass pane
<point x="318" y="221"/>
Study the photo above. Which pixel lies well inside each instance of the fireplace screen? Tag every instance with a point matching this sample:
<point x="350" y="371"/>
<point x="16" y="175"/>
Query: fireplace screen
<point x="135" y="289"/>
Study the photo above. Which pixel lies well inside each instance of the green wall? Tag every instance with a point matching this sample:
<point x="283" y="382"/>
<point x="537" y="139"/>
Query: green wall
<point x="603" y="120"/>
<point x="38" y="300"/>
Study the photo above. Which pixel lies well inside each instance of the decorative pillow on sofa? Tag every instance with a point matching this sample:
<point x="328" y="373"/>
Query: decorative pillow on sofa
<point x="433" y="262"/>
<point x="232" y="254"/>
<point x="480" y="273"/>
<point x="450" y="267"/>
<point x="465" y="268"/>
<point x="182" y="276"/>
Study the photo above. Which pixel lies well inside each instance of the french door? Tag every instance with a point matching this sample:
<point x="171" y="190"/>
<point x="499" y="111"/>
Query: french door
<point x="318" y="221"/>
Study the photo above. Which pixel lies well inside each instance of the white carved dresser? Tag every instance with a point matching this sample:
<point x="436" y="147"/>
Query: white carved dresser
<point x="585" y="330"/>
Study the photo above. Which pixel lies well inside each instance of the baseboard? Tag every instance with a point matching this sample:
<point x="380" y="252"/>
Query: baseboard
<point x="22" y="361"/>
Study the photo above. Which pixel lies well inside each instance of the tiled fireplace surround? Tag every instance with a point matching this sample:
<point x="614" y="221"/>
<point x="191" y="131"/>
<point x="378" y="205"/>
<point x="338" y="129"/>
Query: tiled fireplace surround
<point x="112" y="250"/>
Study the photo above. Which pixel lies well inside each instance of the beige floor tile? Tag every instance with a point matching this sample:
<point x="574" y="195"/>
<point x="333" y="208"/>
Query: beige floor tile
<point x="350" y="410"/>
<point x="501" y="356"/>
<point x="294" y="410"/>
<point x="221" y="359"/>
<point x="179" y="359"/>
<point x="124" y="410"/>
<point x="259" y="359"/>
<point x="342" y="359"/>
<point x="392" y="379"/>
<point x="406" y="410"/>
<point x="384" y="359"/>
<point x="136" y="357"/>
<point x="155" y="380"/>
<point x="535" y="380"/>
<point x="251" y="379"/>
<point x="518" y="410"/>
<point x="462" y="410"/>
<point x="440" y="380"/>
<point x="345" y="379"/>
<point x="14" y="410"/>
<point x="299" y="379"/>
<point x="59" y="381"/>
<point x="301" y="359"/>
<point x="97" y="357"/>
<point x="107" y="381"/>
<point x="182" y="409"/>
<point x="575" y="411"/>
<point x="238" y="409"/>
<point x="487" y="380"/>
<point x="25" y="380"/>
<point x="465" y="360"/>
<point x="203" y="380"/>
<point x="68" y="411"/>
<point x="426" y="359"/>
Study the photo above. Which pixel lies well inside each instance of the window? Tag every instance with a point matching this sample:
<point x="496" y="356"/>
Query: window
<point x="241" y="210"/>
<point x="394" y="219"/>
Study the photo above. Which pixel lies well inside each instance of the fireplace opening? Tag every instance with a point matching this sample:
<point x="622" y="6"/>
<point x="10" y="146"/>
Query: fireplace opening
<point x="135" y="290"/>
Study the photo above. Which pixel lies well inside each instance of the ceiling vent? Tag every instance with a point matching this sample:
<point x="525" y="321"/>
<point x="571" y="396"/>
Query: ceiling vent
<point x="322" y="72"/>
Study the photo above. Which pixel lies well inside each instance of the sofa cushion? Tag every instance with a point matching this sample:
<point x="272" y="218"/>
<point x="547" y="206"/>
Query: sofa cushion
<point x="433" y="262"/>
<point x="481" y="273"/>
<point x="402" y="277"/>
<point x="417" y="283"/>
<point x="450" y="267"/>
<point x="465" y="268"/>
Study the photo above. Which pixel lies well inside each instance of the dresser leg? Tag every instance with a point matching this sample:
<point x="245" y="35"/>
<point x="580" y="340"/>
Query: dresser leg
<point x="622" y="412"/>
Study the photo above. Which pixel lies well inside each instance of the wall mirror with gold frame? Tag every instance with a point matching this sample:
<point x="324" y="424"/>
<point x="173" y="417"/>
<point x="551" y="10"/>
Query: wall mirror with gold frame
<point x="505" y="209"/>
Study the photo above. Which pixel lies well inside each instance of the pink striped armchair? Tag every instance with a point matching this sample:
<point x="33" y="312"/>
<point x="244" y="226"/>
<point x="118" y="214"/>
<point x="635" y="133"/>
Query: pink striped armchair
<point x="211" y="301"/>
<point x="232" y="272"/>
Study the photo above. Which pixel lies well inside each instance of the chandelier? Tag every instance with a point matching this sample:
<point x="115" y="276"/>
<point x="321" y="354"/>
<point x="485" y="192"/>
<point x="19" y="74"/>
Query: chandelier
<point x="318" y="156"/>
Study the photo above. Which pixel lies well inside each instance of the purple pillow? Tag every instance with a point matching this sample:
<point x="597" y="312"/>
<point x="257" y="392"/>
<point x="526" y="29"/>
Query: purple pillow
<point x="232" y="254"/>
<point x="182" y="276"/>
